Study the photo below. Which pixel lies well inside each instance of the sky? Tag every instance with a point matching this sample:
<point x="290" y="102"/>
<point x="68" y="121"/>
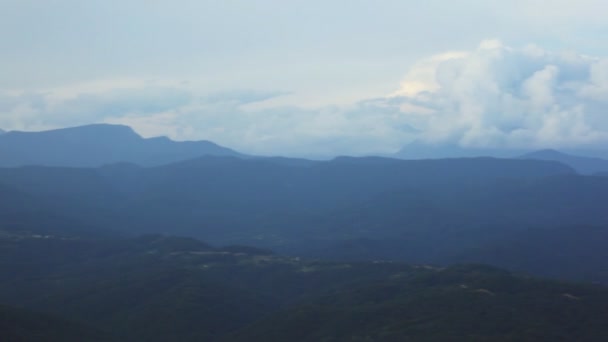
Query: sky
<point x="312" y="78"/>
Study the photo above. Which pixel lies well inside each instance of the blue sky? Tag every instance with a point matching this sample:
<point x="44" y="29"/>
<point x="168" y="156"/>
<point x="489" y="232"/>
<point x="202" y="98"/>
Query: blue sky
<point x="312" y="77"/>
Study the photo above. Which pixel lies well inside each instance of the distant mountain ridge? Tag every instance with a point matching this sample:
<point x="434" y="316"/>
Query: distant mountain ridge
<point x="96" y="145"/>
<point x="299" y="208"/>
<point x="420" y="150"/>
<point x="583" y="161"/>
<point x="584" y="165"/>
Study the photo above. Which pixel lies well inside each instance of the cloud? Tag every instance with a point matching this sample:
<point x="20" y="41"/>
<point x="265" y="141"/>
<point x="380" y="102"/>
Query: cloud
<point x="364" y="128"/>
<point x="68" y="106"/>
<point x="494" y="96"/>
<point x="238" y="119"/>
<point x="500" y="96"/>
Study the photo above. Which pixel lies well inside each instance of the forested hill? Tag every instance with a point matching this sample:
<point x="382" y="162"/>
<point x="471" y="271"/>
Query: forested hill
<point x="313" y="245"/>
<point x="422" y="211"/>
<point x="156" y="288"/>
<point x="263" y="201"/>
<point x="18" y="325"/>
<point x="460" y="303"/>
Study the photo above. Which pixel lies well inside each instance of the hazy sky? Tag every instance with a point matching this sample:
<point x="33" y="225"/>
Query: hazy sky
<point x="312" y="77"/>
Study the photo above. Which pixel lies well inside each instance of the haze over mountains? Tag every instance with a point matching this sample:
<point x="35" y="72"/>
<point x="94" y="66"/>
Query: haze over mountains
<point x="101" y="234"/>
<point x="306" y="171"/>
<point x="422" y="150"/>
<point x="584" y="165"/>
<point x="583" y="161"/>
<point x="102" y="144"/>
<point x="347" y="208"/>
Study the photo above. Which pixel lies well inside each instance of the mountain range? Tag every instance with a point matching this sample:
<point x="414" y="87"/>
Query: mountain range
<point x="423" y="150"/>
<point x="96" y="145"/>
<point x="102" y="144"/>
<point x="101" y="239"/>
<point x="429" y="211"/>
<point x="583" y="165"/>
<point x="583" y="161"/>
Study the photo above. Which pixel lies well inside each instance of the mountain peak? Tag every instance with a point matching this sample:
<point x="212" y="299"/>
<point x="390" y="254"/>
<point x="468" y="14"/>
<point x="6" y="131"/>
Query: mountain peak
<point x="81" y="134"/>
<point x="549" y="152"/>
<point x="584" y="165"/>
<point x="421" y="150"/>
<point x="96" y="145"/>
<point x="97" y="131"/>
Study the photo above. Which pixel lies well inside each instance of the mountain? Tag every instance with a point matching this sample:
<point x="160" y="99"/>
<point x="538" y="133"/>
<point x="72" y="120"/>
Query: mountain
<point x="423" y="211"/>
<point x="233" y="200"/>
<point x="166" y="288"/>
<point x="421" y="150"/>
<point x="460" y="303"/>
<point x="574" y="252"/>
<point x="346" y="209"/>
<point x="584" y="165"/>
<point x="18" y="325"/>
<point x="313" y="250"/>
<point x="96" y="145"/>
<point x="22" y="213"/>
<point x="2" y="131"/>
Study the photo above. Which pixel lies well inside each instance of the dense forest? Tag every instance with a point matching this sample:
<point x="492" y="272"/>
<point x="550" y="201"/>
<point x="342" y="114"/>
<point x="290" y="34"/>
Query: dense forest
<point x="157" y="288"/>
<point x="426" y="211"/>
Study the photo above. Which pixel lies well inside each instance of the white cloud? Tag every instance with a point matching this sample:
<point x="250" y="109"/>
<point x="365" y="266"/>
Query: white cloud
<point x="499" y="96"/>
<point x="234" y="118"/>
<point x="364" y="128"/>
<point x="493" y="96"/>
<point x="66" y="106"/>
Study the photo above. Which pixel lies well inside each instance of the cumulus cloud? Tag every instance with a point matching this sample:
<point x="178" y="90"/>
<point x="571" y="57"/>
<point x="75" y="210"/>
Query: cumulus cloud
<point x="87" y="104"/>
<point x="494" y="96"/>
<point x="500" y="96"/>
<point x="231" y="118"/>
<point x="363" y="128"/>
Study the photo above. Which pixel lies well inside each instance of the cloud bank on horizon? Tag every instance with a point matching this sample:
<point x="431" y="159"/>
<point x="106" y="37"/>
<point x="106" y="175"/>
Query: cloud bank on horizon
<point x="494" y="96"/>
<point x="505" y="97"/>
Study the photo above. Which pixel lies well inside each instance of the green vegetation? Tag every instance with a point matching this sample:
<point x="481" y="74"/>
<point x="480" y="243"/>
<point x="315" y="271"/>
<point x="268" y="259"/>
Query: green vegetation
<point x="311" y="251"/>
<point x="465" y="303"/>
<point x="157" y="288"/>
<point x="17" y="325"/>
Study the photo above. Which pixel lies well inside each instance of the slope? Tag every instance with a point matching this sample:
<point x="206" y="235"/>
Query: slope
<point x="18" y="325"/>
<point x="96" y="145"/>
<point x="157" y="288"/>
<point x="583" y="165"/>
<point x="460" y="303"/>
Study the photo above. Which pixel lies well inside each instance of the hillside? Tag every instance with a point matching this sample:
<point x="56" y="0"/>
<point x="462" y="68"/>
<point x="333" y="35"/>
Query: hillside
<point x="461" y="303"/>
<point x="231" y="200"/>
<point x="346" y="209"/>
<point x="575" y="252"/>
<point x="423" y="150"/>
<point x="157" y="288"/>
<point x="19" y="325"/>
<point x="96" y="145"/>
<point x="583" y="165"/>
